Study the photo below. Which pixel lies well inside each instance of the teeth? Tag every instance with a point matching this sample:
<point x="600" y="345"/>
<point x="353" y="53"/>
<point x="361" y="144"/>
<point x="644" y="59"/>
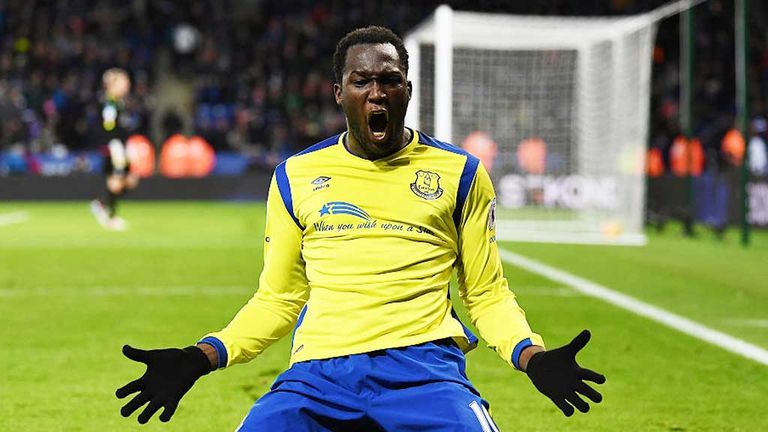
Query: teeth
<point x="379" y="134"/>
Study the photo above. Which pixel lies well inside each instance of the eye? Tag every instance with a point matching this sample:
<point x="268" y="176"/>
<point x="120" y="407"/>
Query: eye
<point x="392" y="80"/>
<point x="360" y="82"/>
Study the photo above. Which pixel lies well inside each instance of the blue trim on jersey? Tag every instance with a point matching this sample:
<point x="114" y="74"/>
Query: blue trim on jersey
<point x="525" y="343"/>
<point x="298" y="323"/>
<point x="428" y="140"/>
<point x="221" y="350"/>
<point x="284" y="186"/>
<point x="321" y="145"/>
<point x="467" y="175"/>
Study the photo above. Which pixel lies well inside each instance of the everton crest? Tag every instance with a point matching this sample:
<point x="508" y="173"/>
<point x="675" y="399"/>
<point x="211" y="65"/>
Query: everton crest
<point x="427" y="185"/>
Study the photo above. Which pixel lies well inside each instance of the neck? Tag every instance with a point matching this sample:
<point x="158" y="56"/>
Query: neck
<point x="353" y="145"/>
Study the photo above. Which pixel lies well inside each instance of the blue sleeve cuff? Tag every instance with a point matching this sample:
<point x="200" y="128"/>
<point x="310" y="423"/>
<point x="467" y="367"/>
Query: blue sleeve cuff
<point x="525" y="343"/>
<point x="221" y="351"/>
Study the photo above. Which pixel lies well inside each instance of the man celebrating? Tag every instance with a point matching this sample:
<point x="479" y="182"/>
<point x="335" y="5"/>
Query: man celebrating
<point x="363" y="232"/>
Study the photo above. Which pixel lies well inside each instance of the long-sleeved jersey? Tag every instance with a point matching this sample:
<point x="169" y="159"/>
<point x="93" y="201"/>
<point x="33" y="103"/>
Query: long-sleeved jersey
<point x="358" y="256"/>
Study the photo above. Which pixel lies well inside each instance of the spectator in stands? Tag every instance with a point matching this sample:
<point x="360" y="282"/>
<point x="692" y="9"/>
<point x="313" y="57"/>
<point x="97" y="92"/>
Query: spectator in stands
<point x="758" y="149"/>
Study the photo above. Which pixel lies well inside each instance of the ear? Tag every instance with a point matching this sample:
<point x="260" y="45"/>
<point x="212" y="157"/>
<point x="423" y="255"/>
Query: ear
<point x="410" y="89"/>
<point x="337" y="93"/>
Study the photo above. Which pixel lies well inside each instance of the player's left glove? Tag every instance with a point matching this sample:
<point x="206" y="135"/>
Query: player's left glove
<point x="170" y="374"/>
<point x="557" y="375"/>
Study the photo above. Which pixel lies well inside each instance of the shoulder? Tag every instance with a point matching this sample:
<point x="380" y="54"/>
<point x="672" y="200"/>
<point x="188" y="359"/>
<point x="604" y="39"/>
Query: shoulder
<point x="442" y="145"/>
<point x="314" y="148"/>
<point x="465" y="162"/>
<point x="307" y="156"/>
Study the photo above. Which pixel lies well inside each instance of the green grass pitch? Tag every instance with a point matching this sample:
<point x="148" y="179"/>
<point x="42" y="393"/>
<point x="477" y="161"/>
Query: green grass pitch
<point x="71" y="294"/>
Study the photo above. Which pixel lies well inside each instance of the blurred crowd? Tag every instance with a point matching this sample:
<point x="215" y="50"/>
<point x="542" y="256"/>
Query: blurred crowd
<point x="261" y="70"/>
<point x="52" y="55"/>
<point x="718" y="145"/>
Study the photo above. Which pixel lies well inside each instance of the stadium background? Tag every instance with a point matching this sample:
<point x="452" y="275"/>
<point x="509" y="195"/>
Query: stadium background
<point x="253" y="79"/>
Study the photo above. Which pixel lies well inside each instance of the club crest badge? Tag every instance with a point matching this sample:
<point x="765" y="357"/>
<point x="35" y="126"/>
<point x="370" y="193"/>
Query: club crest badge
<point x="427" y="185"/>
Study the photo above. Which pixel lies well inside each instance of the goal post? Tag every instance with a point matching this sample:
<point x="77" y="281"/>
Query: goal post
<point x="559" y="108"/>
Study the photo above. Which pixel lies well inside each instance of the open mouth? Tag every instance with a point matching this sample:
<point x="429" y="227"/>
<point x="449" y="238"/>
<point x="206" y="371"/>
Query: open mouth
<point x="377" y="122"/>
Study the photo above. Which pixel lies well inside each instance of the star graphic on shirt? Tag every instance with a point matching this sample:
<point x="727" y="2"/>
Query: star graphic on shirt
<point x="325" y="210"/>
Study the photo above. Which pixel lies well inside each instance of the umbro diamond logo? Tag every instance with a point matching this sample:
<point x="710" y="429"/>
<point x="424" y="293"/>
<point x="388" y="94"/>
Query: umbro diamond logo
<point x="321" y="183"/>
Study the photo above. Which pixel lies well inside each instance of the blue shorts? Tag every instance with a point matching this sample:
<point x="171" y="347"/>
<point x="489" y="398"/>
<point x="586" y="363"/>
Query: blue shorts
<point x="417" y="388"/>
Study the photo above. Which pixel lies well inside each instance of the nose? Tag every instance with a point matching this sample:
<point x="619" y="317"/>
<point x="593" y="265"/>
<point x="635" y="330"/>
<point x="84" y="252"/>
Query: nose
<point x="377" y="94"/>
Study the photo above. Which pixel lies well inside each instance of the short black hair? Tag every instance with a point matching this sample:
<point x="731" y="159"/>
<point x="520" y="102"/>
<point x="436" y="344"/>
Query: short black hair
<point x="367" y="35"/>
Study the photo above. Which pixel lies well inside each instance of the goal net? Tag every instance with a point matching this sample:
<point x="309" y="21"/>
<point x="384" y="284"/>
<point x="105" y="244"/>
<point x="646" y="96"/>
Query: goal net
<point x="556" y="108"/>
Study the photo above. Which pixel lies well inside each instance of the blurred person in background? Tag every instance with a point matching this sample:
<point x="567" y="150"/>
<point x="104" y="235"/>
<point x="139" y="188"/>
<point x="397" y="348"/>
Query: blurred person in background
<point x="119" y="178"/>
<point x="757" y="148"/>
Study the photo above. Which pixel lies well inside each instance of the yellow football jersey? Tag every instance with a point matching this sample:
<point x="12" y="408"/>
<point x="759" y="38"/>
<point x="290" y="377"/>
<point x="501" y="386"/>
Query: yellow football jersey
<point x="358" y="256"/>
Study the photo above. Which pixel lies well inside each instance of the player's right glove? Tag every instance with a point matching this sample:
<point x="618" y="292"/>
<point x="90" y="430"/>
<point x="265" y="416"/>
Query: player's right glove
<point x="557" y="375"/>
<point x="170" y="374"/>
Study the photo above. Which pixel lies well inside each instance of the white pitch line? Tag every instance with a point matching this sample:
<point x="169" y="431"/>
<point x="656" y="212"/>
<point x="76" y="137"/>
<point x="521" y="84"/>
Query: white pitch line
<point x="544" y="291"/>
<point x="12" y="218"/>
<point x="677" y="322"/>
<point x="759" y="323"/>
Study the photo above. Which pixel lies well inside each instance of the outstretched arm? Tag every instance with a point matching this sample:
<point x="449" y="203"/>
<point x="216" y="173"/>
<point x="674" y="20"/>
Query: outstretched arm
<point x="268" y="316"/>
<point x="283" y="288"/>
<point x="491" y="305"/>
<point x="494" y="311"/>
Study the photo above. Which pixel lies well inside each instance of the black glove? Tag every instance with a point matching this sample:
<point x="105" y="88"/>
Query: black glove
<point x="557" y="375"/>
<point x="170" y="374"/>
